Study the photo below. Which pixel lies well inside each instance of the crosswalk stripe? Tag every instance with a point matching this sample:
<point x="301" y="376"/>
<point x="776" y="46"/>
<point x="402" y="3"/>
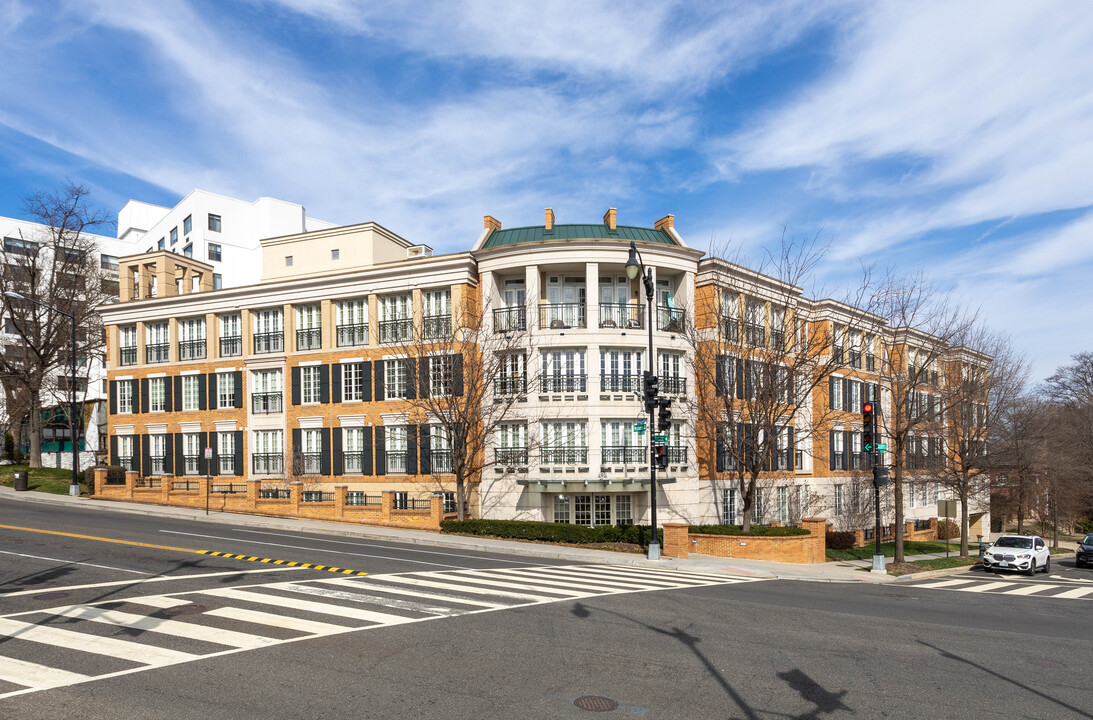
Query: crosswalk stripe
<point x="614" y="579"/>
<point x="372" y="599"/>
<point x="366" y="585"/>
<point x="944" y="583"/>
<point x="112" y="647"/>
<point x="33" y="675"/>
<point x="487" y="577"/>
<point x="462" y="588"/>
<point x="984" y="587"/>
<point x="1029" y="589"/>
<point x="1075" y="593"/>
<point x="663" y="573"/>
<point x="308" y="606"/>
<point x="190" y="631"/>
<point x="163" y="602"/>
<point x="564" y="580"/>
<point x="272" y="619"/>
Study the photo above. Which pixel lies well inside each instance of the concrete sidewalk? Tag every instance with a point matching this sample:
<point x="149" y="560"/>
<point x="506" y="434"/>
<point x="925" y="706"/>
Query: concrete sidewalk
<point x="823" y="572"/>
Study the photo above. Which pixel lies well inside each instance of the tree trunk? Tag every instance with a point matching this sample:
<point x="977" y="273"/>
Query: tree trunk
<point x="749" y="500"/>
<point x="35" y="439"/>
<point x="1020" y="505"/>
<point x="459" y="514"/>
<point x="964" y="520"/>
<point x="898" y="501"/>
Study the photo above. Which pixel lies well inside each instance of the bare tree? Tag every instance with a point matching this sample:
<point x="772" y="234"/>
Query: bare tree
<point x="982" y="378"/>
<point x="1016" y="447"/>
<point x="1067" y="461"/>
<point x="758" y="368"/>
<point x="468" y="378"/>
<point x="57" y="267"/>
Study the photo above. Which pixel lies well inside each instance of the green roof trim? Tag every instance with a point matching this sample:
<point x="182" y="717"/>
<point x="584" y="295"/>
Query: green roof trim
<point x="539" y="233"/>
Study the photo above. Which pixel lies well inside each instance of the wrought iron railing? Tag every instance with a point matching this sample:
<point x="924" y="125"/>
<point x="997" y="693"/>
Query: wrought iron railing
<point x="564" y="455"/>
<point x="266" y="403"/>
<point x="229" y="488"/>
<point x="227" y="464"/>
<point x="677" y="454"/>
<point x="622" y="315"/>
<point x="436" y="327"/>
<point x="622" y="454"/>
<point x="507" y="385"/>
<point x="309" y="339"/>
<point x="231" y="346"/>
<point x="670" y="319"/>
<point x="316" y="496"/>
<point x="730" y="330"/>
<point x="621" y="383"/>
<point x="185" y="485"/>
<point x="755" y="334"/>
<point x="359" y="497"/>
<point x="190" y="464"/>
<point x="191" y="350"/>
<point x="269" y="342"/>
<point x="561" y="316"/>
<point x="673" y="384"/>
<point x="275" y="493"/>
<point x="310" y="463"/>
<point x="510" y="319"/>
<point x="158" y="353"/>
<point x="268" y="463"/>
<point x="128" y="356"/>
<point x="441" y="461"/>
<point x="564" y="383"/>
<point x="394" y="331"/>
<point x="396" y="463"/>
<point x="350" y="335"/>
<point x="512" y="457"/>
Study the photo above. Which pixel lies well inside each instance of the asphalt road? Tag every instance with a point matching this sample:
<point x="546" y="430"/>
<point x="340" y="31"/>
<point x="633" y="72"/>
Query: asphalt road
<point x="145" y="627"/>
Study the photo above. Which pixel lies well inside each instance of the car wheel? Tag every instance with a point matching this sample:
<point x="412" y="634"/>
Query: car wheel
<point x="987" y="569"/>
<point x="1031" y="568"/>
<point x="1079" y="563"/>
<point x="1047" y="565"/>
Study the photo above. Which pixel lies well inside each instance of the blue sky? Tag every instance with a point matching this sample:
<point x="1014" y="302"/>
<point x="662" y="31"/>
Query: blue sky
<point x="952" y="136"/>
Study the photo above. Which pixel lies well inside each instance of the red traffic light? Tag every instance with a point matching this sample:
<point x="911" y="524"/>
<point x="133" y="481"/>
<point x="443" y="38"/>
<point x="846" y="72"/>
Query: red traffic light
<point x="867" y="407"/>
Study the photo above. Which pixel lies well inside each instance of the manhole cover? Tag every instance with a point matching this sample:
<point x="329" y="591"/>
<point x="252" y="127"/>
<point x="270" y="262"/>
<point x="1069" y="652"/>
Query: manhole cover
<point x="1047" y="662"/>
<point x="56" y="595"/>
<point x="192" y="609"/>
<point x="596" y="703"/>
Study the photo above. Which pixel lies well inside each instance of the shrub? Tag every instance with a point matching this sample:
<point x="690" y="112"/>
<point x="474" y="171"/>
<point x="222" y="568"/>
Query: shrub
<point x="755" y="531"/>
<point x="841" y="541"/>
<point x="550" y="532"/>
<point x="1083" y="526"/>
<point x="947" y="530"/>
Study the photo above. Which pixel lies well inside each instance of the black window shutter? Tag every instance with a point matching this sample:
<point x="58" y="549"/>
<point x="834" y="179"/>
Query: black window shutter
<point x="739" y="379"/>
<point x="457" y="374"/>
<point x="366" y="381"/>
<point x="296" y="385"/>
<point x="237" y="382"/>
<point x="366" y="449"/>
<point x="202" y="463"/>
<point x="847" y="382"/>
<point x="831" y="394"/>
<point x="411" y="378"/>
<point x="177" y="387"/>
<point x="741" y="447"/>
<point x="379" y="384"/>
<point x="201" y="392"/>
<point x="324" y="385"/>
<point x="239" y="452"/>
<point x="847" y="435"/>
<point x="411" y="449"/>
<point x="423" y="375"/>
<point x="113" y="445"/>
<point x="426" y="454"/>
<point x="831" y="449"/>
<point x="145" y="455"/>
<point x="113" y="400"/>
<point x="214" y="462"/>
<point x="336" y="384"/>
<point x="719" y="442"/>
<point x="792" y="449"/>
<point x="168" y="396"/>
<point x="143" y="395"/>
<point x="336" y="451"/>
<point x="180" y="457"/>
<point x="719" y="380"/>
<point x="381" y="451"/>
<point x="169" y="454"/>
<point x="324" y="458"/>
<point x="297" y="451"/>
<point x="749" y="383"/>
<point x="214" y="392"/>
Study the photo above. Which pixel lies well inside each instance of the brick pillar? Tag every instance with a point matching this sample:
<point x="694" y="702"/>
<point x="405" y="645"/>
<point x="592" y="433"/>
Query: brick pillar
<point x="340" y="492"/>
<point x="859" y="538"/>
<point x="436" y="510"/>
<point x="100" y="480"/>
<point x="295" y="488"/>
<point x="387" y="502"/>
<point x="908" y="528"/>
<point x="817" y="541"/>
<point x="677" y="540"/>
<point x="933" y="529"/>
<point x="253" y="488"/>
<point x="130" y="482"/>
<point x="165" y="483"/>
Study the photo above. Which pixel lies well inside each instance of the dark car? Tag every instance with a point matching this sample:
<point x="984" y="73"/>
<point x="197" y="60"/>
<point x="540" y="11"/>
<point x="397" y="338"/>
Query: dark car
<point x="1085" y="551"/>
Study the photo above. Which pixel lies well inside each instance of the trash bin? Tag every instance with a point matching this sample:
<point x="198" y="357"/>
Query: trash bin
<point x="20" y="479"/>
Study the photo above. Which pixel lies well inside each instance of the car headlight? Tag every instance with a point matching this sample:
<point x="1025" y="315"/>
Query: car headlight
<point x="1024" y="556"/>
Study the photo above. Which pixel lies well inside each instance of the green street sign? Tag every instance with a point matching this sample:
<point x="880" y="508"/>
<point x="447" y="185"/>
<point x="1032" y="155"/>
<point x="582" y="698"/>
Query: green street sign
<point x="883" y="447"/>
<point x="639" y="429"/>
<point x="660" y="438"/>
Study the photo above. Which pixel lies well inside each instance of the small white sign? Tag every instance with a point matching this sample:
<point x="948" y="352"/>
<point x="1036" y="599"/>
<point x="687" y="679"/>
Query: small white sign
<point x="208" y="453"/>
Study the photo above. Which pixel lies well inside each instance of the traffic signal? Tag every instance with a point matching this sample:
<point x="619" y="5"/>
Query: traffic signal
<point x="660" y="455"/>
<point x="880" y="476"/>
<point x="652" y="389"/>
<point x="664" y="417"/>
<point x="868" y="428"/>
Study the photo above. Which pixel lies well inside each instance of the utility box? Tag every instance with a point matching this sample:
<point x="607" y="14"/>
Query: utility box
<point x="21" y="480"/>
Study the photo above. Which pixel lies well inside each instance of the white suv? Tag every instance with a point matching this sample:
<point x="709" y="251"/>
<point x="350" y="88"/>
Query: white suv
<point x="1026" y="553"/>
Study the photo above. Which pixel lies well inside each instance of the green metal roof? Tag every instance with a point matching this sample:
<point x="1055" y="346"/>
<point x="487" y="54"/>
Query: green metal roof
<point x="539" y="233"/>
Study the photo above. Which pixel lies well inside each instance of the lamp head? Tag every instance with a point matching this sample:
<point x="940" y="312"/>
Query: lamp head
<point x="632" y="264"/>
<point x="13" y="295"/>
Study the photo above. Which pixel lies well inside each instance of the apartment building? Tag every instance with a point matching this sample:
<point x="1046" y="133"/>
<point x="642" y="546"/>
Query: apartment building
<point x="311" y="374"/>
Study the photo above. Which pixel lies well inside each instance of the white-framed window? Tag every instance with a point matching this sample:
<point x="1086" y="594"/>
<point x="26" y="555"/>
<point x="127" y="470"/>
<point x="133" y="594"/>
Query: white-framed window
<point x="230" y="325"/>
<point x="512" y="375"/>
<point x="157" y="333"/>
<point x="396" y="317"/>
<point x="191" y="453"/>
<point x="309" y="327"/>
<point x="437" y="313"/>
<point x="757" y="508"/>
<point x="353" y="450"/>
<point x="924" y="489"/>
<point x="125" y="452"/>
<point x="621" y="370"/>
<point x="157" y="394"/>
<point x="440" y="449"/>
<point x="267" y="381"/>
<point x="352" y="322"/>
<point x="911" y="497"/>
<point x="268" y="452"/>
<point x="352" y="382"/>
<point x="395" y="446"/>
<point x="563" y="370"/>
<point x="127" y="342"/>
<point x="125" y="396"/>
<point x="839" y="450"/>
<point x="582" y="510"/>
<point x="394" y="378"/>
<point x="191" y="329"/>
<point x="619" y="443"/>
<point x="565" y="442"/>
<point x="440" y="375"/>
<point x="839" y="507"/>
<point x="225" y="452"/>
<point x="512" y="444"/>
<point x="312" y="451"/>
<point x="157" y="451"/>
<point x="837" y="401"/>
<point x="783" y="504"/>
<point x="673" y="373"/>
<point x="562" y="508"/>
<point x="269" y="320"/>
<point x="729" y="506"/>
<point x="190" y="391"/>
<point x="855" y="396"/>
<point x="309" y="381"/>
<point x="624" y="514"/>
<point x="225" y="390"/>
<point x="804" y="501"/>
<point x="601" y="509"/>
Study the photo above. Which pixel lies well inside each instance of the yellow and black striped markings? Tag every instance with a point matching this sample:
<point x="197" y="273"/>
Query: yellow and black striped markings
<point x="285" y="563"/>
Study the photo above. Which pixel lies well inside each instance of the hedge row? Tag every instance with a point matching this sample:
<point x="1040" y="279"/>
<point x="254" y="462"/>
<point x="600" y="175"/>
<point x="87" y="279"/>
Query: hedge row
<point x="756" y="530"/>
<point x="841" y="540"/>
<point x="551" y="532"/>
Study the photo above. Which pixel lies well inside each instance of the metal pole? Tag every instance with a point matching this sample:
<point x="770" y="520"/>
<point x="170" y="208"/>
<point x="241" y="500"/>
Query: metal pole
<point x="654" y="541"/>
<point x="76" y="419"/>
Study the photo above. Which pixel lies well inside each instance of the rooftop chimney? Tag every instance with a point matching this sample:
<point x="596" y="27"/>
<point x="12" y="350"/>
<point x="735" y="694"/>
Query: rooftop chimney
<point x="665" y="223"/>
<point x="549" y="219"/>
<point x="609" y="219"/>
<point x="491" y="223"/>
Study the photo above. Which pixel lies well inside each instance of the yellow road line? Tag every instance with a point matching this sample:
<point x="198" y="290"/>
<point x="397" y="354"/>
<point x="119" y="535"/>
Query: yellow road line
<point x="231" y="556"/>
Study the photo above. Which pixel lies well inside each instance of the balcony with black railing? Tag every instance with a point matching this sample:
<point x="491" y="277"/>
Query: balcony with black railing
<point x="755" y="334"/>
<point x="266" y="403"/>
<point x="190" y="464"/>
<point x="622" y="454"/>
<point x="670" y="319"/>
<point x="564" y="455"/>
<point x="622" y="315"/>
<point x="268" y="463"/>
<point x="126" y="461"/>
<point x="128" y="356"/>
<point x="309" y="463"/>
<point x="778" y="340"/>
<point x="508" y="385"/>
<point x="730" y="330"/>
<point x="563" y="383"/>
<point x="191" y="349"/>
<point x="396" y="462"/>
<point x="226" y="463"/>
<point x="441" y="461"/>
<point x="231" y="346"/>
<point x="673" y="384"/>
<point x="396" y="331"/>
<point x="270" y="342"/>
<point x="510" y="319"/>
<point x="870" y="362"/>
<point x="837" y="354"/>
<point x="436" y="327"/>
<point x="562" y="316"/>
<point x="309" y="339"/>
<point x="352" y="335"/>
<point x="512" y="457"/>
<point x="158" y="353"/>
<point x="353" y="462"/>
<point x="677" y="454"/>
<point x="855" y="358"/>
<point x="621" y="383"/>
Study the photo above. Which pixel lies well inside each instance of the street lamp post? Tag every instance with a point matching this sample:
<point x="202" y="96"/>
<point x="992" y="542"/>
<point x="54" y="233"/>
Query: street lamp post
<point x="634" y="264"/>
<point x="74" y="418"/>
